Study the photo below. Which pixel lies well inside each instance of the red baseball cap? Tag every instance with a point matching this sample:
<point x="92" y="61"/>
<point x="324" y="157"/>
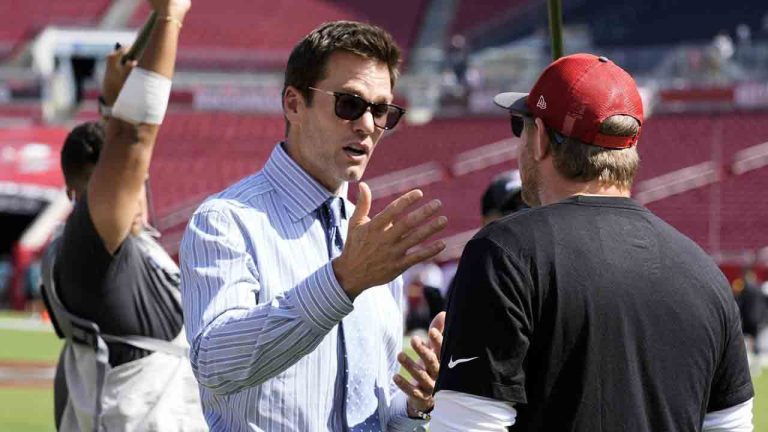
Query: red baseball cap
<point x="575" y="94"/>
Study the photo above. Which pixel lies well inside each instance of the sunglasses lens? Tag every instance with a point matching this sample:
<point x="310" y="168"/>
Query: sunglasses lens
<point x="393" y="116"/>
<point x="350" y="107"/>
<point x="517" y="125"/>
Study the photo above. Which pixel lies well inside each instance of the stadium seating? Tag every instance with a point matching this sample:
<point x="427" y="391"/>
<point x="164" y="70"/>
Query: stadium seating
<point x="199" y="153"/>
<point x="743" y="211"/>
<point x="672" y="142"/>
<point x="20" y="112"/>
<point x="439" y="140"/>
<point x="20" y="20"/>
<point x="238" y="34"/>
<point x="472" y="14"/>
<point x="736" y="221"/>
<point x="665" y="17"/>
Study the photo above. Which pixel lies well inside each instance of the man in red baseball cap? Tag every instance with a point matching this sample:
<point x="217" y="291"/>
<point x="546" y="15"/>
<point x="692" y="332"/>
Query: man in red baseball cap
<point x="587" y="312"/>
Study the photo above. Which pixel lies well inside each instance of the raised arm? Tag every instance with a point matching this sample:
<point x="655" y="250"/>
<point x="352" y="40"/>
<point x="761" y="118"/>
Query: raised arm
<point x="117" y="184"/>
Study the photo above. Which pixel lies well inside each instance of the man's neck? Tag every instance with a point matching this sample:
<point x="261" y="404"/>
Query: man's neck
<point x="566" y="189"/>
<point x="293" y="153"/>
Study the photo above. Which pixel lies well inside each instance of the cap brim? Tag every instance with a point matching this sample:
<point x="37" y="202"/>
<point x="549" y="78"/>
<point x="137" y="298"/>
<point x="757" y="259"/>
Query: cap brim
<point x="514" y="102"/>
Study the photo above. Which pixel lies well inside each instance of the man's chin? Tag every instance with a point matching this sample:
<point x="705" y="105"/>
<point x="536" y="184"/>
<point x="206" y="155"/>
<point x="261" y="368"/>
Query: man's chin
<point x="354" y="174"/>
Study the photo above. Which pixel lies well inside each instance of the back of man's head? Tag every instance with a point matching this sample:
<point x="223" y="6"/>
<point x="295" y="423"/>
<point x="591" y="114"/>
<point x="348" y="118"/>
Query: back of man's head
<point x="580" y="161"/>
<point x="79" y="155"/>
<point x="593" y="114"/>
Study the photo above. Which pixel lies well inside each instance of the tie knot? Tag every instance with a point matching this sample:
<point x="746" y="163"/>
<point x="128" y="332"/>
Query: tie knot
<point x="333" y="208"/>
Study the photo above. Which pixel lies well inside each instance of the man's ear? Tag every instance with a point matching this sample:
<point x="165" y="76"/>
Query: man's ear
<point x="541" y="147"/>
<point x="293" y="104"/>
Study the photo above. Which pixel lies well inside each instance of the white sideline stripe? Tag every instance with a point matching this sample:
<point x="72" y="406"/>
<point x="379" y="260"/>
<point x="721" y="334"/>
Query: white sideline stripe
<point x="676" y="182"/>
<point x="19" y="374"/>
<point x="406" y="179"/>
<point x="750" y="158"/>
<point x="25" y="324"/>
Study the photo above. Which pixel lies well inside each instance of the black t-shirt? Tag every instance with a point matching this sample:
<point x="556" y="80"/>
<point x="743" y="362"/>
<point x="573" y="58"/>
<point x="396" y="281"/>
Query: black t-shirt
<point x="593" y="314"/>
<point x="125" y="294"/>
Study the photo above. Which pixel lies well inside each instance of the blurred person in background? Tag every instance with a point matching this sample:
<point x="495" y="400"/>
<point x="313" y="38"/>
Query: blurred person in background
<point x="424" y="297"/>
<point x="587" y="312"/>
<point x="292" y="295"/>
<point x="6" y="271"/>
<point x="503" y="196"/>
<point x="113" y="292"/>
<point x="752" y="306"/>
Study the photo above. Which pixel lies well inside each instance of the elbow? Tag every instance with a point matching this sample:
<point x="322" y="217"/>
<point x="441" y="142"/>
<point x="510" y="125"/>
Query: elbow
<point x="205" y="370"/>
<point x="216" y="374"/>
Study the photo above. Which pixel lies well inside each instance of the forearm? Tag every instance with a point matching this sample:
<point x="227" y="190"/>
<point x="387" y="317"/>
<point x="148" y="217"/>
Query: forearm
<point x="160" y="54"/>
<point x="245" y="347"/>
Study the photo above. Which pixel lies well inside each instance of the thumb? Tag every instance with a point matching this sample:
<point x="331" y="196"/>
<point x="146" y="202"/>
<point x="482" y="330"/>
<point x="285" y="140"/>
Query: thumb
<point x="363" y="205"/>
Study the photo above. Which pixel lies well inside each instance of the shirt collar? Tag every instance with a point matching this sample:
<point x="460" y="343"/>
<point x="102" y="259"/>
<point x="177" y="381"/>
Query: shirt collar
<point x="300" y="193"/>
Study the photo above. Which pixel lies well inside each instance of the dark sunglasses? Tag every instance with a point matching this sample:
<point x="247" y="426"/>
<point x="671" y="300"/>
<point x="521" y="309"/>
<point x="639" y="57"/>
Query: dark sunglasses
<point x="352" y="107"/>
<point x="518" y="124"/>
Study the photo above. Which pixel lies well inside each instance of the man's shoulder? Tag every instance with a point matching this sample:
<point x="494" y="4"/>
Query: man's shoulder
<point x="245" y="194"/>
<point x="513" y="227"/>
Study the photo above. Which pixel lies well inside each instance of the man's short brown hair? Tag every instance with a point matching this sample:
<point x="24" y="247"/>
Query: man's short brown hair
<point x="309" y="58"/>
<point x="576" y="160"/>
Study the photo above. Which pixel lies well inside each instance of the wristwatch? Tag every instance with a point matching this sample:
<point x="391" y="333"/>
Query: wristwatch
<point x="104" y="110"/>
<point x="424" y="415"/>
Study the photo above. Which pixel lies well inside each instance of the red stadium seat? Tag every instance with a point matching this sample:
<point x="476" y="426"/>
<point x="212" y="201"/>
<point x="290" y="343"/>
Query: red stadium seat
<point x="238" y="34"/>
<point x="20" y="20"/>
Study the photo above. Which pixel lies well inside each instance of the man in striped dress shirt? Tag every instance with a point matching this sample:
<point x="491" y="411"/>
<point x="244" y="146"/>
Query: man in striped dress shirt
<point x="291" y="294"/>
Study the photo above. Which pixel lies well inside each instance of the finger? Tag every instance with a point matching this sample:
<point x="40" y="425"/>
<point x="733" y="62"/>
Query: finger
<point x="363" y="205"/>
<point x="416" y="218"/>
<point x="438" y="322"/>
<point x="428" y="357"/>
<point x="418" y="372"/>
<point x="423" y="232"/>
<point x="113" y="58"/>
<point x="396" y="208"/>
<point x="411" y="390"/>
<point x="436" y="342"/>
<point x="421" y="254"/>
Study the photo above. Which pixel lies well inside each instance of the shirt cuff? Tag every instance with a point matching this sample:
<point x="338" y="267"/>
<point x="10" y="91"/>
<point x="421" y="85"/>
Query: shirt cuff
<point x="399" y="420"/>
<point x="321" y="299"/>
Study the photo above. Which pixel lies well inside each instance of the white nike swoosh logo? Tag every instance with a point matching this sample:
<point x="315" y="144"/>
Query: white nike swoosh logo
<point x="453" y="362"/>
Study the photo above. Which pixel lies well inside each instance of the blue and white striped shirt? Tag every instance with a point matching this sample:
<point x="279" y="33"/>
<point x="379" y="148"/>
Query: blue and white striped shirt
<point x="262" y="307"/>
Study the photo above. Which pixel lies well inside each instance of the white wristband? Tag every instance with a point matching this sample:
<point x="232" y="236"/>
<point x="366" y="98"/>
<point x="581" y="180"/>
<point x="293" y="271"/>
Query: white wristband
<point x="144" y="98"/>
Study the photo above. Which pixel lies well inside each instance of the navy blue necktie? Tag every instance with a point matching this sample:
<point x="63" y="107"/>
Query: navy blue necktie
<point x="361" y="403"/>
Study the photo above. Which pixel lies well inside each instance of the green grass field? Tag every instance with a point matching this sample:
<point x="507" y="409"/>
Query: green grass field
<point x="31" y="409"/>
<point x="27" y="409"/>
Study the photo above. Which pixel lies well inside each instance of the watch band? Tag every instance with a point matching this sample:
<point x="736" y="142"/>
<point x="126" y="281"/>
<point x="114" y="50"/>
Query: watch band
<point x="104" y="109"/>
